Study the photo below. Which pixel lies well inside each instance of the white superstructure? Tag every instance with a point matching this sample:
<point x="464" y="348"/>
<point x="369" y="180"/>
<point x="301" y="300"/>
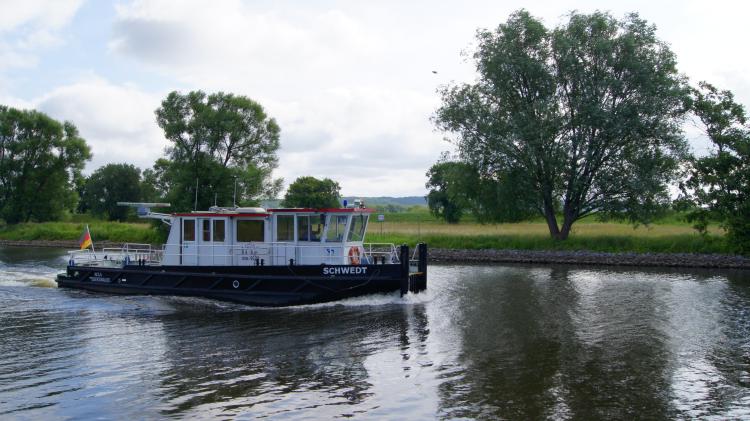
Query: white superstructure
<point x="254" y="237"/>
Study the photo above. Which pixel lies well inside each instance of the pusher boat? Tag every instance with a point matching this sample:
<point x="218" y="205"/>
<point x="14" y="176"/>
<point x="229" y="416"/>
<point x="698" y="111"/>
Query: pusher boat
<point x="255" y="256"/>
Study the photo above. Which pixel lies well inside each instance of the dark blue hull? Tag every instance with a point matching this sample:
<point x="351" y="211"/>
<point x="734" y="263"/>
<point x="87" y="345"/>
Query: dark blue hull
<point x="254" y="285"/>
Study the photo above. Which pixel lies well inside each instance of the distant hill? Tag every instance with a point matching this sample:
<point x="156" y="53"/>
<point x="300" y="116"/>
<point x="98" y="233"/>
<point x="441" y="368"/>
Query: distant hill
<point x="387" y="200"/>
<point x="369" y="201"/>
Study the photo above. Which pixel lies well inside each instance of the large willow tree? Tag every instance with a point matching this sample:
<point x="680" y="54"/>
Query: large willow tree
<point x="583" y="118"/>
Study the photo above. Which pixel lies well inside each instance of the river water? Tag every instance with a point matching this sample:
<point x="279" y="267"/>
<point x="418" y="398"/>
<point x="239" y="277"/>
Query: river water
<point x="488" y="342"/>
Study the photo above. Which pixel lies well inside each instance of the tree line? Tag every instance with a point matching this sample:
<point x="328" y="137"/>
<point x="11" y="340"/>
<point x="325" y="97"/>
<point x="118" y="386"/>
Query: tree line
<point x="586" y="119"/>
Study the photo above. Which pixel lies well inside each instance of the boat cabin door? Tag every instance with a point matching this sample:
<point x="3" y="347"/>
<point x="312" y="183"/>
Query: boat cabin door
<point x="212" y="246"/>
<point x="284" y="239"/>
<point x="188" y="247"/>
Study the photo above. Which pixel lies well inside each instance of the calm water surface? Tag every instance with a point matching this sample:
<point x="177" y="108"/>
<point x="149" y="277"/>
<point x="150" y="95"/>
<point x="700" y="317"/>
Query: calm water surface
<point x="489" y="342"/>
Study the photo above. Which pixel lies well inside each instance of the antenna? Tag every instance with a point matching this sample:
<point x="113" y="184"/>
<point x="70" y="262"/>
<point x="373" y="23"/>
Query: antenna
<point x="234" y="198"/>
<point x="195" y="206"/>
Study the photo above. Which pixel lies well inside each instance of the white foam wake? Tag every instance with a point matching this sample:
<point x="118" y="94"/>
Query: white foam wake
<point x="23" y="276"/>
<point x="393" y="298"/>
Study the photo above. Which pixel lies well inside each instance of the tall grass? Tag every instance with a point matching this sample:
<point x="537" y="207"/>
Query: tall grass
<point x="588" y="228"/>
<point x="664" y="236"/>
<point x="681" y="243"/>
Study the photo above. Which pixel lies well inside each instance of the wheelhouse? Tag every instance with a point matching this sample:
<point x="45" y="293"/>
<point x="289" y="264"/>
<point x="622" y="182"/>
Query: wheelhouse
<point x="258" y="237"/>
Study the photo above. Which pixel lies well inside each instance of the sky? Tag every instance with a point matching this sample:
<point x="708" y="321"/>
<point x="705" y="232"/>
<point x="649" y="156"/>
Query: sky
<point x="351" y="83"/>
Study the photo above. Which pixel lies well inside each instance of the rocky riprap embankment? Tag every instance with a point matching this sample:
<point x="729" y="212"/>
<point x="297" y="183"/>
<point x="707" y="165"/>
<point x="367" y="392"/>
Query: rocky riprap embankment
<point x="591" y="258"/>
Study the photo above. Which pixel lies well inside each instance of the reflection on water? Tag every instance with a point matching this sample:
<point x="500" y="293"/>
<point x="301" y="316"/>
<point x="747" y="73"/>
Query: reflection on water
<point x="512" y="342"/>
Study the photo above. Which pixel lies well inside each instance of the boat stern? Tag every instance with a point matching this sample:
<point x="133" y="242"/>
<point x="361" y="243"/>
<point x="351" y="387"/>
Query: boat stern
<point x="413" y="269"/>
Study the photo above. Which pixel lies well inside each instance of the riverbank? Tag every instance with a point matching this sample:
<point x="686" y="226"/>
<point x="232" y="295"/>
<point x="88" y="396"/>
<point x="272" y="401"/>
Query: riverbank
<point x="684" y="260"/>
<point x="63" y="244"/>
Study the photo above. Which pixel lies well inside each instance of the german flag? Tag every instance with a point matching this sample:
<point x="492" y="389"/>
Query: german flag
<point x="85" y="240"/>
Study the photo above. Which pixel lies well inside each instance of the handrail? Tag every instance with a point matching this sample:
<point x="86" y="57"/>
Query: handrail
<point x="271" y="253"/>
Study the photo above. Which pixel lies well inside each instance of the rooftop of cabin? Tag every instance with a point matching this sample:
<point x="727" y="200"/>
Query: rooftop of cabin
<point x="245" y="211"/>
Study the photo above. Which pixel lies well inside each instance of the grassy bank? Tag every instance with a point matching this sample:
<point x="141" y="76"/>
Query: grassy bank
<point x="671" y="234"/>
<point x="683" y="243"/>
<point x="666" y="236"/>
<point x="100" y="231"/>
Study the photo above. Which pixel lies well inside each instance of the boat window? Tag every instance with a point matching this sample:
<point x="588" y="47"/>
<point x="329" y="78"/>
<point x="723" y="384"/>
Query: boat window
<point x="357" y="231"/>
<point x="188" y="230"/>
<point x="206" y="230"/>
<point x="337" y="228"/>
<point x="303" y="228"/>
<point x="284" y="227"/>
<point x="249" y="230"/>
<point x="219" y="230"/>
<point x="309" y="228"/>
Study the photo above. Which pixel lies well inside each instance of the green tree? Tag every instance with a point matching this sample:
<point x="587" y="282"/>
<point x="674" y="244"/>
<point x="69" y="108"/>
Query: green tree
<point x="110" y="184"/>
<point x="451" y="185"/>
<point x="309" y="192"/>
<point x="39" y="160"/>
<point x="457" y="187"/>
<point x="583" y="119"/>
<point x="155" y="181"/>
<point x="719" y="183"/>
<point x="215" y="140"/>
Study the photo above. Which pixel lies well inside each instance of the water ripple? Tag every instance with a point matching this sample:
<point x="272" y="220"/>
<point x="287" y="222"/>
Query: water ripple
<point x="487" y="342"/>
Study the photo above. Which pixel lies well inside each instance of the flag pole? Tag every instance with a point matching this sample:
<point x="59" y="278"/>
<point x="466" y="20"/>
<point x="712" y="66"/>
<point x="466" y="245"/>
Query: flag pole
<point x="91" y="239"/>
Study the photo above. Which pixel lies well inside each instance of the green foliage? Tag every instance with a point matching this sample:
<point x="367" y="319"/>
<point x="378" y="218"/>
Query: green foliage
<point x="215" y="140"/>
<point x="719" y="183"/>
<point x="100" y="231"/>
<point x="581" y="119"/>
<point x="457" y="187"/>
<point x="450" y="184"/>
<point x="110" y="184"/>
<point x="309" y="192"/>
<point x="39" y="160"/>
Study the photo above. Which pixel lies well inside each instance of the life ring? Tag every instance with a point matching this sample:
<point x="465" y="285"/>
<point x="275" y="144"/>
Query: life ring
<point x="354" y="255"/>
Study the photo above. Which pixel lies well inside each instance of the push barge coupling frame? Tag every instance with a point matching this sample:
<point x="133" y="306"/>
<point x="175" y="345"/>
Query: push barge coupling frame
<point x="208" y="255"/>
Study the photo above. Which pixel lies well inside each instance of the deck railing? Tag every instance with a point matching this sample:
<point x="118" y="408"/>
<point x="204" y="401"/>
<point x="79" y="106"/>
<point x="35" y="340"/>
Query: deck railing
<point x="250" y="254"/>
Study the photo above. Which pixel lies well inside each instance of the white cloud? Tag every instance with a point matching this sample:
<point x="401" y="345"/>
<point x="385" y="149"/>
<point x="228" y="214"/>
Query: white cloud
<point x="371" y="141"/>
<point x="30" y="25"/>
<point x="117" y="121"/>
<point x="270" y="51"/>
<point x="39" y="13"/>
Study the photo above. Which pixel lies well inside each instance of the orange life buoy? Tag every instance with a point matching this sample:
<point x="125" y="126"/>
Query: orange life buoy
<point x="354" y="255"/>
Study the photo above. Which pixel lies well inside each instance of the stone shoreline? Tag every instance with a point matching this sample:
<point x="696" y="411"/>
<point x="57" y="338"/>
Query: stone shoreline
<point x="684" y="260"/>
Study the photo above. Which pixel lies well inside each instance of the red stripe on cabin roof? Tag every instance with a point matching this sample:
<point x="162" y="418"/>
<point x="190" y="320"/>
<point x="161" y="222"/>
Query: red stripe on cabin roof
<point x="282" y="210"/>
<point x="327" y="210"/>
<point x="231" y="215"/>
